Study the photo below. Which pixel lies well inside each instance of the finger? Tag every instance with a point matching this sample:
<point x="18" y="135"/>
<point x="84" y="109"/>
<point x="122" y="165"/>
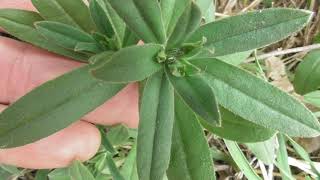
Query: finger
<point x="80" y="141"/>
<point x="24" y="67"/>
<point x="17" y="4"/>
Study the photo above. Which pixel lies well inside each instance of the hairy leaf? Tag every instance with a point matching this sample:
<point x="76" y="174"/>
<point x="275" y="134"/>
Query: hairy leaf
<point x="251" y="30"/>
<point x="235" y="128"/>
<point x="198" y="95"/>
<point x="143" y="17"/>
<point x="130" y="64"/>
<point x="62" y="34"/>
<point x="186" y="25"/>
<point x="246" y="96"/>
<point x="155" y="128"/>
<point x="52" y="107"/>
<point x="100" y="17"/>
<point x="190" y="154"/>
<point x="20" y="23"/>
<point x="307" y="76"/>
<point x="71" y="12"/>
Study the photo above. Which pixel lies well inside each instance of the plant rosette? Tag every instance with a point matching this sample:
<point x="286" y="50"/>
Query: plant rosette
<point x="184" y="85"/>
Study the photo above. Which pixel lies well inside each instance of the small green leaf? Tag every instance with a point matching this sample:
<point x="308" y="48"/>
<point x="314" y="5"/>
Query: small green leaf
<point x="52" y="107"/>
<point x="198" y="95"/>
<point x="62" y="34"/>
<point x="71" y="12"/>
<point x="282" y="159"/>
<point x="313" y="98"/>
<point x="78" y="171"/>
<point x="235" y="59"/>
<point x="245" y="95"/>
<point x="130" y="38"/>
<point x="235" y="128"/>
<point x="240" y="159"/>
<point x="190" y="154"/>
<point x="42" y="174"/>
<point x="143" y="17"/>
<point x="118" y="135"/>
<point x="307" y="76"/>
<point x="155" y="128"/>
<point x="105" y="142"/>
<point x="186" y="25"/>
<point x="251" y="30"/>
<point x="113" y="169"/>
<point x="20" y="23"/>
<point x="172" y="10"/>
<point x="60" y="174"/>
<point x="100" y="17"/>
<point x="88" y="48"/>
<point x="129" y="168"/>
<point x="264" y="151"/>
<point x="204" y="5"/>
<point x="130" y="64"/>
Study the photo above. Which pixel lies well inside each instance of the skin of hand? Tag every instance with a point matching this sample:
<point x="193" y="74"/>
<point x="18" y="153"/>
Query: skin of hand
<point x="24" y="67"/>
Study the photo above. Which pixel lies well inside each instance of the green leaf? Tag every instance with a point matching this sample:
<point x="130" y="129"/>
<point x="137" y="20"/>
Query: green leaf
<point x="313" y="98"/>
<point x="130" y="38"/>
<point x="186" y="25"/>
<point x="307" y="76"/>
<point x="282" y="159"/>
<point x="129" y="168"/>
<point x="204" y="5"/>
<point x="20" y="23"/>
<point x="235" y="59"/>
<point x="88" y="48"/>
<point x="62" y="34"/>
<point x="209" y="16"/>
<point x="257" y="101"/>
<point x="235" y="128"/>
<point x="42" y="174"/>
<point x="143" y="17"/>
<point x="52" y="107"/>
<point x="251" y="30"/>
<point x="113" y="169"/>
<point x="79" y="172"/>
<point x="198" y="95"/>
<point x="155" y="128"/>
<point x="264" y="151"/>
<point x="172" y="10"/>
<point x="190" y="154"/>
<point x="71" y="12"/>
<point x="240" y="159"/>
<point x="60" y="174"/>
<point x="118" y="135"/>
<point x="100" y="17"/>
<point x="130" y="64"/>
<point x="105" y="142"/>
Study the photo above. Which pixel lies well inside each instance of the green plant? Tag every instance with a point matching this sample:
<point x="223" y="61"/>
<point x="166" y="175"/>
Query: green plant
<point x="184" y="83"/>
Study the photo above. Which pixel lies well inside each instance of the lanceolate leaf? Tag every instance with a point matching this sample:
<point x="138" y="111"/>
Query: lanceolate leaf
<point x="100" y="18"/>
<point x="78" y="171"/>
<point x="130" y="64"/>
<point x="143" y="17"/>
<point x="62" y="34"/>
<point x="20" y="23"/>
<point x="129" y="168"/>
<point x="155" y="128"/>
<point x="71" y="12"/>
<point x="186" y="25"/>
<point x="246" y="131"/>
<point x="171" y="13"/>
<point x="251" y="30"/>
<point x="190" y="154"/>
<point x="265" y="151"/>
<point x="52" y="107"/>
<point x="198" y="95"/>
<point x="307" y="77"/>
<point x="130" y="38"/>
<point x="245" y="95"/>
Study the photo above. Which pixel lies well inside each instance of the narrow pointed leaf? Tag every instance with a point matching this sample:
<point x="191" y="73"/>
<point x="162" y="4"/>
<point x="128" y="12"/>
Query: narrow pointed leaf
<point x="265" y="151"/>
<point x="130" y="64"/>
<point x="235" y="128"/>
<point x="245" y="95"/>
<point x="204" y="5"/>
<point x="130" y="38"/>
<point x="100" y="17"/>
<point x="240" y="159"/>
<point x="62" y="34"/>
<point x="52" y="107"/>
<point x="172" y="10"/>
<point x="78" y="171"/>
<point x="20" y="23"/>
<point x="282" y="159"/>
<point x="307" y="76"/>
<point x="88" y="48"/>
<point x="186" y="25"/>
<point x="71" y="12"/>
<point x="143" y="17"/>
<point x="129" y="168"/>
<point x="113" y="168"/>
<point x="190" y="154"/>
<point x="198" y="95"/>
<point x="251" y="30"/>
<point x="155" y="128"/>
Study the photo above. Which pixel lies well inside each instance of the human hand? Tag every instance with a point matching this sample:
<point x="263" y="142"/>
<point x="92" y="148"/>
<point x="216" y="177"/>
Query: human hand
<point x="24" y="67"/>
